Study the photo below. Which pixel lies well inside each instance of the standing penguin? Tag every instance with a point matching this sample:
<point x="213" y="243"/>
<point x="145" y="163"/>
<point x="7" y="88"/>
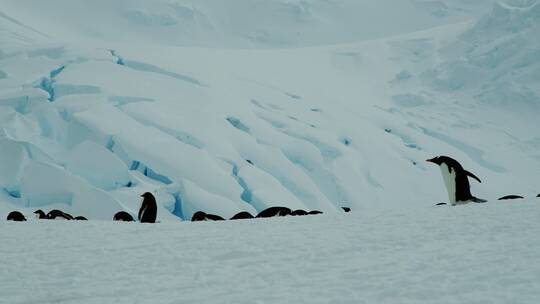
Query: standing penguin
<point x="148" y="211"/>
<point x="456" y="180"/>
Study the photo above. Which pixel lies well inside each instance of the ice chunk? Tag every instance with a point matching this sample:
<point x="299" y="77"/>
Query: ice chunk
<point x="98" y="166"/>
<point x="196" y="199"/>
<point x="13" y="157"/>
<point x="43" y="184"/>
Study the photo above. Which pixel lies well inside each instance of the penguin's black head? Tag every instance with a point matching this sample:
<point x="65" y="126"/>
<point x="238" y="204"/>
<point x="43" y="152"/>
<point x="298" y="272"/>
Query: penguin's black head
<point x="40" y="214"/>
<point x="436" y="160"/>
<point x="450" y="162"/>
<point x="148" y="195"/>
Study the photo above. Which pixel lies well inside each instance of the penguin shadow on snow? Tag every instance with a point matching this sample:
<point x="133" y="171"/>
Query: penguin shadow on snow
<point x="510" y="197"/>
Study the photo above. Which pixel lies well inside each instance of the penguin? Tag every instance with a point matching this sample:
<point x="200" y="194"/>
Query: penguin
<point x="242" y="216"/>
<point x="123" y="216"/>
<point x="299" y="212"/>
<point x="80" y="218"/>
<point x="200" y="216"/>
<point x="510" y="197"/>
<point x="440" y="204"/>
<point x="274" y="211"/>
<point x="538" y="195"/>
<point x="57" y="214"/>
<point x="148" y="210"/>
<point x="456" y="180"/>
<point x="213" y="217"/>
<point x="346" y="209"/>
<point x="16" y="216"/>
<point x="40" y="214"/>
<point x="314" y="212"/>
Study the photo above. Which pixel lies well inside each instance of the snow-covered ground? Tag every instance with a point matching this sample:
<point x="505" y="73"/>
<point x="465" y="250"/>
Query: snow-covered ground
<point x="484" y="253"/>
<point x="229" y="106"/>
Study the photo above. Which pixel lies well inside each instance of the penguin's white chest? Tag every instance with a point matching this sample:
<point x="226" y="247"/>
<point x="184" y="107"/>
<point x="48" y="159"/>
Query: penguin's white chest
<point x="450" y="182"/>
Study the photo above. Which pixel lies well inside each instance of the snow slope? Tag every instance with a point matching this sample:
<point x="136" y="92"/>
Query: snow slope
<point x="234" y="23"/>
<point x="472" y="254"/>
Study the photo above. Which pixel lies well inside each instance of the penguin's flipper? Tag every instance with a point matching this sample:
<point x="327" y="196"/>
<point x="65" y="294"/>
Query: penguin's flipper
<point x="478" y="200"/>
<point x="473" y="176"/>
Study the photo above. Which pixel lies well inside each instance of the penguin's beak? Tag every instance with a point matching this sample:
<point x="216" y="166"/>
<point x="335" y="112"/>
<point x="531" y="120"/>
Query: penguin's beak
<point x="430" y="160"/>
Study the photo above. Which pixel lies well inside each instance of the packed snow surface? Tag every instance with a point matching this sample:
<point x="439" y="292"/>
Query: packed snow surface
<point x="230" y="106"/>
<point x="478" y="253"/>
<point x="90" y="119"/>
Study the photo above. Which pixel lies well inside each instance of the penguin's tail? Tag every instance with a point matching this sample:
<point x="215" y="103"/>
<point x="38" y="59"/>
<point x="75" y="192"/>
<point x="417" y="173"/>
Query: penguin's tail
<point x="478" y="200"/>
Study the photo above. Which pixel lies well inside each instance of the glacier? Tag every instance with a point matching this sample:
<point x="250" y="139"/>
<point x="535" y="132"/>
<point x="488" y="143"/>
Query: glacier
<point x="323" y="123"/>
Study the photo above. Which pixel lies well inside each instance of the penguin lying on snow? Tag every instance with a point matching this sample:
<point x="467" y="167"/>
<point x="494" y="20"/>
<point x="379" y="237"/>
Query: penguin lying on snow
<point x="123" y="216"/>
<point x="57" y="214"/>
<point x="456" y="180"/>
<point x="148" y="210"/>
<point x="53" y="215"/>
<point x="274" y="211"/>
<point x="299" y="212"/>
<point x="242" y="216"/>
<point x="40" y="214"/>
<point x="200" y="216"/>
<point x="16" y="216"/>
<point x="314" y="212"/>
<point x="346" y="209"/>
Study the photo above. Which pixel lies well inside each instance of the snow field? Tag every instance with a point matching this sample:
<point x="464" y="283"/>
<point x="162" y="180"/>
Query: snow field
<point x="478" y="253"/>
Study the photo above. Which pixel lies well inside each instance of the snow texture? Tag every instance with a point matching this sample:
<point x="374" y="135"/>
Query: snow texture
<point x="468" y="254"/>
